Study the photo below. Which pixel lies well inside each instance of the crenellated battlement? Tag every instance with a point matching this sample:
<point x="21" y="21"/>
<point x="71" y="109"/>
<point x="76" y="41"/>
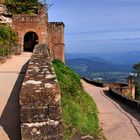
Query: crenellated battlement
<point x="52" y="24"/>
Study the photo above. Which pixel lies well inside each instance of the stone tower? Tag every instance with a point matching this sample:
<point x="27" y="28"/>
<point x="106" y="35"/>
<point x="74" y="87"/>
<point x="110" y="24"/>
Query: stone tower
<point x="35" y="28"/>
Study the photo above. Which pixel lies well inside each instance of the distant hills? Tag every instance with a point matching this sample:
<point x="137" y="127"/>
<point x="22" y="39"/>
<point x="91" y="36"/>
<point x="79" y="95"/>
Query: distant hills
<point x="95" y="64"/>
<point x="121" y="58"/>
<point x="90" y="64"/>
<point x="129" y="58"/>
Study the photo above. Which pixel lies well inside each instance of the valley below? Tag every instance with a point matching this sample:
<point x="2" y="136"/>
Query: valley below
<point x="107" y="68"/>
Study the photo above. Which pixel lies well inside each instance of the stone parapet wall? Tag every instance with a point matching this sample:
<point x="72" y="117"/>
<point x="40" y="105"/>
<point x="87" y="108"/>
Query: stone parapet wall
<point x="123" y="88"/>
<point x="125" y="100"/>
<point x="40" y="99"/>
<point x="98" y="84"/>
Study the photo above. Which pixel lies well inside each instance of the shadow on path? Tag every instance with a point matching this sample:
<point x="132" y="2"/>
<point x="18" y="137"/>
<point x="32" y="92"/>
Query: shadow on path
<point x="10" y="119"/>
<point x="126" y="108"/>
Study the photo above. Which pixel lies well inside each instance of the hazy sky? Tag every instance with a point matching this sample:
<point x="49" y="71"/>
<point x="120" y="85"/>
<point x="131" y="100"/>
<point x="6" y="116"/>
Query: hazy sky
<point x="98" y="25"/>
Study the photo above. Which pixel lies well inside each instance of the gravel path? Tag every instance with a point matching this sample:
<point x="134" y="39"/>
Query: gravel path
<point x="11" y="75"/>
<point x="117" y="121"/>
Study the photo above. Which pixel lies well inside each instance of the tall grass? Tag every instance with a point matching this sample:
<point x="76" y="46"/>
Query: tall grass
<point x="78" y="109"/>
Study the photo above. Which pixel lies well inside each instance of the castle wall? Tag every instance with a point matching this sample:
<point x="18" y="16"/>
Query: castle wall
<point x="123" y="88"/>
<point x="23" y="23"/>
<point x="51" y="33"/>
<point x="56" y="32"/>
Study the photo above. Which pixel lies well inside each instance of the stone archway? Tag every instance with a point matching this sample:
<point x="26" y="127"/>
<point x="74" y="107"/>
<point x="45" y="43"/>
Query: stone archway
<point x="30" y="40"/>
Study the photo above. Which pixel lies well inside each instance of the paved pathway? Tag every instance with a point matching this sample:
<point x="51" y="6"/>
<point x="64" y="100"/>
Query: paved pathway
<point x="11" y="76"/>
<point x="117" y="121"/>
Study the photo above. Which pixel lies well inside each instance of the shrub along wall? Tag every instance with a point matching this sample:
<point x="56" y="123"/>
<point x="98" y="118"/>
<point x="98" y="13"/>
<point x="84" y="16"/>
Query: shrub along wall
<point x="23" y="6"/>
<point x="8" y="39"/>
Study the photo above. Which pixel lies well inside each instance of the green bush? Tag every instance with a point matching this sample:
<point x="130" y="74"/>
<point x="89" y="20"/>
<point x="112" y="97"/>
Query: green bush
<point x="137" y="86"/>
<point x="8" y="38"/>
<point x="136" y="68"/>
<point x="22" y="6"/>
<point x="78" y="109"/>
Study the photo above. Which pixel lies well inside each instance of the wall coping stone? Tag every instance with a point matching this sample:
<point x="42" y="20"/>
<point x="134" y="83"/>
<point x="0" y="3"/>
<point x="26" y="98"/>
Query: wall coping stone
<point x="40" y="99"/>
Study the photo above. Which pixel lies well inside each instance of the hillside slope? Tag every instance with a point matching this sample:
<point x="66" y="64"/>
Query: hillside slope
<point x="79" y="112"/>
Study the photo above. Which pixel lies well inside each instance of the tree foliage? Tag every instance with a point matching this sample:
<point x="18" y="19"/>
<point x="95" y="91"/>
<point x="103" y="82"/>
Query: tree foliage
<point x="136" y="68"/>
<point x="8" y="38"/>
<point x="22" y="6"/>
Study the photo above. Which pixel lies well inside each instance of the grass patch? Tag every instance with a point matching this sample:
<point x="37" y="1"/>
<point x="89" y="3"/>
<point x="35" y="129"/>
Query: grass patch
<point x="79" y="112"/>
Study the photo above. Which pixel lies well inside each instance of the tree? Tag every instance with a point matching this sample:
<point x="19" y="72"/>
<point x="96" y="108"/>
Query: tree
<point x="22" y="6"/>
<point x="136" y="68"/>
<point x="8" y="39"/>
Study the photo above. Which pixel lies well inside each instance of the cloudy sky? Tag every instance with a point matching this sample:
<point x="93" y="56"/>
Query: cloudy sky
<point x="98" y="25"/>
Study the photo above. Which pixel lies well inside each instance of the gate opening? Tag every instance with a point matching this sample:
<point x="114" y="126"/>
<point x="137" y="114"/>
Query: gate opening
<point x="30" y="40"/>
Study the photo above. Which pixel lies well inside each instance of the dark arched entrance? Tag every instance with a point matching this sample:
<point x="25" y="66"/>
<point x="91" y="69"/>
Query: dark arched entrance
<point x="30" y="40"/>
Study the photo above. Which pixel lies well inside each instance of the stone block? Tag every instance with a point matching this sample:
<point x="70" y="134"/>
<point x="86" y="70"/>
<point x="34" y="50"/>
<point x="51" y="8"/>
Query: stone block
<point x="32" y="115"/>
<point x="54" y="112"/>
<point x="42" y="131"/>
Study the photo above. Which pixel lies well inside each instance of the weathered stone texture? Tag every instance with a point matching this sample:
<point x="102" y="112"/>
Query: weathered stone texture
<point x="40" y="99"/>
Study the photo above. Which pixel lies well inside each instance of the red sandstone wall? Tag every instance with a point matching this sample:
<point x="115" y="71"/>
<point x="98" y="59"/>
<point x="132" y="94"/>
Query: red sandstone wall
<point x="56" y="33"/>
<point x="52" y="32"/>
<point x="25" y="23"/>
